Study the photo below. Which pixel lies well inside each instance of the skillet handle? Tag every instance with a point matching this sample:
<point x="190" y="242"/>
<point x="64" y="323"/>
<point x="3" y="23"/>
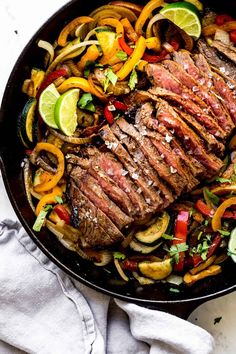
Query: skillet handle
<point x="181" y="309"/>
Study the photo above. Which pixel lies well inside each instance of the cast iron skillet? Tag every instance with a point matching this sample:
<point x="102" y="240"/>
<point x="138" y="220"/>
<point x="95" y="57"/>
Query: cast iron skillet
<point x="157" y="296"/>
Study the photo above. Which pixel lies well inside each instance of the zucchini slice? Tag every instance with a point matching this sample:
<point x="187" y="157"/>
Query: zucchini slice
<point x="141" y="248"/>
<point x="155" y="231"/>
<point x="156" y="270"/>
<point x="27" y="123"/>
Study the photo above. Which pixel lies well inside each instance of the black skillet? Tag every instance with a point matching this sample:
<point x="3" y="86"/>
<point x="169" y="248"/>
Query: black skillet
<point x="158" y="296"/>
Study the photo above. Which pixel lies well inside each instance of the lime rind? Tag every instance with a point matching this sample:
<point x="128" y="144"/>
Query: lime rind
<point x="232" y="245"/>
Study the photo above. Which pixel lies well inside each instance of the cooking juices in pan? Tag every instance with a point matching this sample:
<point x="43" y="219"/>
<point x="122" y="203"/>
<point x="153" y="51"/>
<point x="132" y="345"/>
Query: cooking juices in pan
<point x="130" y="159"/>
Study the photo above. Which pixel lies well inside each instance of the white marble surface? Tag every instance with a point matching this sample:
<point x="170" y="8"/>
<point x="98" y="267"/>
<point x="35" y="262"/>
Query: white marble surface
<point x="18" y="21"/>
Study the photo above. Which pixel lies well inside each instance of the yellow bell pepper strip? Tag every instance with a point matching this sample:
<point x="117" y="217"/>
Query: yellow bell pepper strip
<point x="216" y="220"/>
<point x="133" y="59"/>
<point x="62" y="39"/>
<point x="211" y="29"/>
<point x="144" y="15"/>
<point x="189" y="279"/>
<point x="43" y="187"/>
<point x="48" y="199"/>
<point x="153" y="43"/>
<point x="91" y="55"/>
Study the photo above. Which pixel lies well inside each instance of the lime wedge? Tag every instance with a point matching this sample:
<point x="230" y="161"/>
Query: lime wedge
<point x="65" y="111"/>
<point x="232" y="245"/>
<point x="185" y="16"/>
<point x="196" y="3"/>
<point x="47" y="101"/>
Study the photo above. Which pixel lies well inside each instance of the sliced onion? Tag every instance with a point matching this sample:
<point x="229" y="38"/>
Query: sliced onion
<point x="120" y="270"/>
<point x="168" y="47"/>
<point x="105" y="258"/>
<point x="48" y="47"/>
<point x="71" y="139"/>
<point x="174" y="279"/>
<point x="154" y="19"/>
<point x="142" y="280"/>
<point x="69" y="53"/>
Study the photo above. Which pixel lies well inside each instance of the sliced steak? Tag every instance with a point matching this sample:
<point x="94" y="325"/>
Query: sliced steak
<point x="161" y="77"/>
<point x="194" y="146"/>
<point x="143" y="164"/>
<point x="109" y="186"/>
<point x="166" y="172"/>
<point x="212" y="57"/>
<point x="190" y="107"/>
<point x="203" y="92"/>
<point x="151" y="197"/>
<point x="89" y="187"/>
<point x="220" y="85"/>
<point x="97" y="229"/>
<point x="228" y="50"/>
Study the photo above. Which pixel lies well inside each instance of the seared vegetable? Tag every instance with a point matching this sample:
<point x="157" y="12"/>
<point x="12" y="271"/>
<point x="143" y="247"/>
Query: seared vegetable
<point x="156" y="270"/>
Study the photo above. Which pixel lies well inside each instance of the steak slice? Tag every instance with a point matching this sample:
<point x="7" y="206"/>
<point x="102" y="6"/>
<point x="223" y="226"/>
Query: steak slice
<point x="87" y="184"/>
<point x="228" y="50"/>
<point x="203" y="92"/>
<point x="110" y="187"/>
<point x="97" y="229"/>
<point x="151" y="197"/>
<point x="212" y="57"/>
<point x="142" y="162"/>
<point x="167" y="173"/>
<point x="220" y="85"/>
<point x="190" y="107"/>
<point x="168" y="116"/>
<point x="161" y="77"/>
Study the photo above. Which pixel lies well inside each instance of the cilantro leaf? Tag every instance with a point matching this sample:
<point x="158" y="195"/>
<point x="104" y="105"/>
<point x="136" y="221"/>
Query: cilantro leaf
<point x="223" y="180"/>
<point x="167" y="237"/>
<point x="112" y="77"/>
<point x="174" y="290"/>
<point x="121" y="55"/>
<point x="224" y="232"/>
<point x="39" y="222"/>
<point x="133" y="80"/>
<point x="211" y="196"/>
<point x="58" y="199"/>
<point x="176" y="249"/>
<point x="86" y="102"/>
<point x="118" y="255"/>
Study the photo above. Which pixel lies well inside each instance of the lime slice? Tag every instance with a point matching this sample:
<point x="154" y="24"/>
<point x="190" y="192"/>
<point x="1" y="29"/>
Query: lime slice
<point x="196" y="3"/>
<point x="47" y="101"/>
<point x="65" y="111"/>
<point x="185" y="16"/>
<point x="232" y="245"/>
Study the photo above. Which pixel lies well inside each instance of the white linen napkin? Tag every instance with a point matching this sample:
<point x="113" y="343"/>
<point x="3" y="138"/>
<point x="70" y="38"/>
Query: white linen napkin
<point x="44" y="311"/>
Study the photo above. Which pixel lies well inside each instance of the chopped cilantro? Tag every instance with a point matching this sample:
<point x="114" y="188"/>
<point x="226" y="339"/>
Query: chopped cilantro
<point x="168" y="237"/>
<point x="39" y="222"/>
<point x="174" y="290"/>
<point x="121" y="55"/>
<point x="133" y="80"/>
<point x="117" y="116"/>
<point x="217" y="320"/>
<point x="206" y="222"/>
<point x="118" y="255"/>
<point x="224" y="232"/>
<point x="86" y="102"/>
<point x="59" y="200"/>
<point x="202" y="249"/>
<point x="211" y="196"/>
<point x="199" y="235"/>
<point x="176" y="249"/>
<point x="112" y="77"/>
<point x="223" y="180"/>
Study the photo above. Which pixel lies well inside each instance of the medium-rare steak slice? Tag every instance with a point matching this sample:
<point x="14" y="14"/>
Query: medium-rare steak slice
<point x="110" y="187"/>
<point x="203" y="92"/>
<point x="150" y="195"/>
<point x="142" y="162"/>
<point x="168" y="116"/>
<point x="167" y="173"/>
<point x="161" y="77"/>
<point x="212" y="57"/>
<point x="228" y="50"/>
<point x="97" y="229"/>
<point x="115" y="170"/>
<point x="220" y="85"/>
<point x="190" y="107"/>
<point x="88" y="185"/>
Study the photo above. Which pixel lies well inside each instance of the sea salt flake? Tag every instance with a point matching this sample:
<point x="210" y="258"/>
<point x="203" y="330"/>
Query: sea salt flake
<point x="139" y="190"/>
<point x="124" y="172"/>
<point x="168" y="138"/>
<point x="172" y="169"/>
<point x="222" y="69"/>
<point x="148" y="200"/>
<point x="135" y="176"/>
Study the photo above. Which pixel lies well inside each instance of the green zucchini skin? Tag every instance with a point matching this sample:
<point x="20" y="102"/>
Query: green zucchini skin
<point x="27" y="125"/>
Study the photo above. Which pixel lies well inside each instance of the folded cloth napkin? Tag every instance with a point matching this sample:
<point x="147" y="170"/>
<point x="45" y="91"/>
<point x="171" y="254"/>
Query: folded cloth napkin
<point x="44" y="311"/>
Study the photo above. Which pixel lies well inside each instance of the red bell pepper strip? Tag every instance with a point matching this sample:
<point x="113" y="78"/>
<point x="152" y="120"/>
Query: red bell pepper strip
<point x="50" y="78"/>
<point x="108" y="115"/>
<point x="130" y="265"/>
<point x="120" y="106"/>
<point x="229" y="215"/>
<point x="222" y="19"/>
<point x="204" y="209"/>
<point x="124" y="46"/>
<point x="197" y="259"/>
<point x="62" y="213"/>
<point x="232" y="36"/>
<point x="181" y="231"/>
